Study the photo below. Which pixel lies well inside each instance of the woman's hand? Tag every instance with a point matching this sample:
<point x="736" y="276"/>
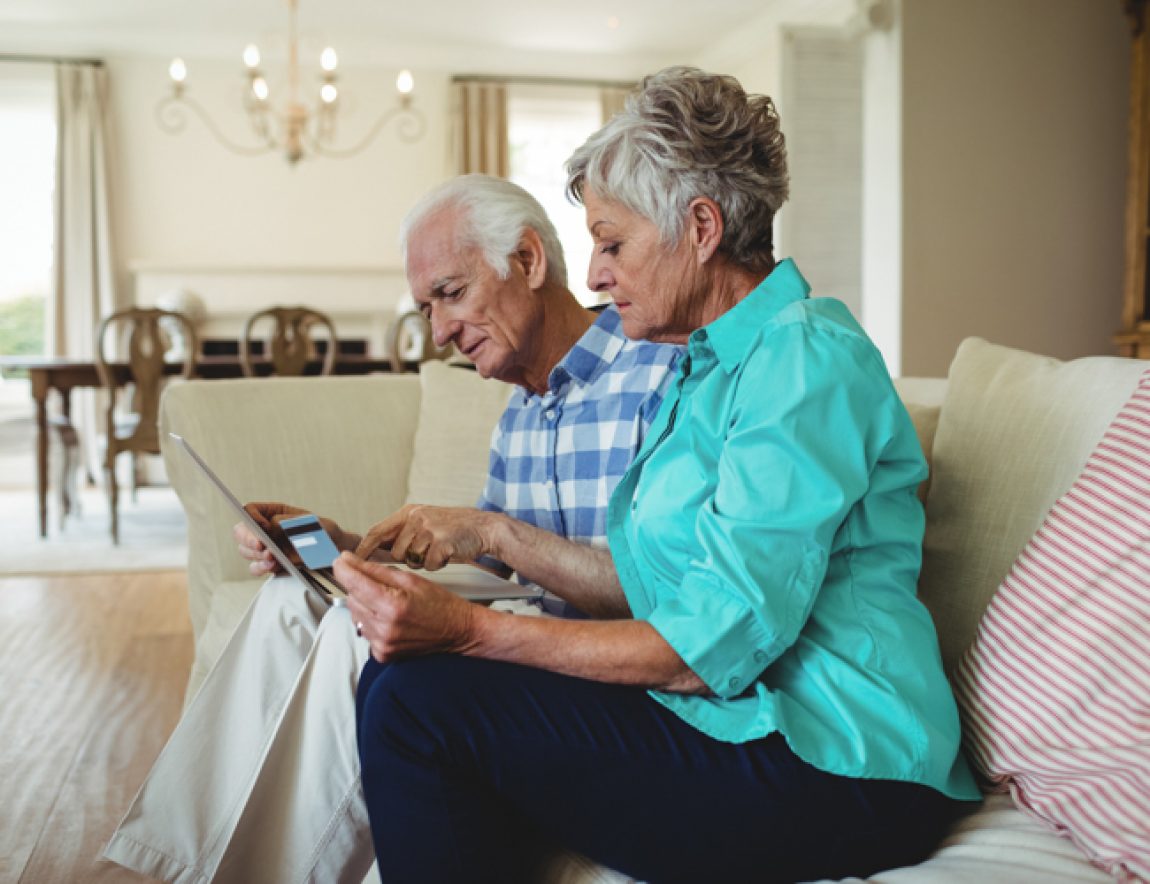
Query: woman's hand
<point x="403" y="614"/>
<point x="431" y="536"/>
<point x="268" y="516"/>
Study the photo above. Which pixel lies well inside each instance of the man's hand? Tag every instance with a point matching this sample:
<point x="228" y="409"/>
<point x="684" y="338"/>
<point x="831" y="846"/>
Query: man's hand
<point x="268" y="516"/>
<point x="402" y="614"/>
<point x="431" y="536"/>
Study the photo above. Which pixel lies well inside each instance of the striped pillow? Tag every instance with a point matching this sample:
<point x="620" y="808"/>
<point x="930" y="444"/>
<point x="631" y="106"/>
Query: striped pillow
<point x="1055" y="690"/>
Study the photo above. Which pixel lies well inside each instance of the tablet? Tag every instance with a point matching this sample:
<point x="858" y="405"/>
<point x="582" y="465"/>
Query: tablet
<point x="468" y="581"/>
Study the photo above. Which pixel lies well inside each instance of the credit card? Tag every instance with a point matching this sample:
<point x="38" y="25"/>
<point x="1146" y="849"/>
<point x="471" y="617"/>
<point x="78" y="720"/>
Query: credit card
<point x="314" y="545"/>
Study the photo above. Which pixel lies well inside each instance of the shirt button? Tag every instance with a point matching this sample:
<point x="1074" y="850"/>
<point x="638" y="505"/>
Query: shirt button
<point x="549" y="414"/>
<point x="734" y="682"/>
<point x="760" y="657"/>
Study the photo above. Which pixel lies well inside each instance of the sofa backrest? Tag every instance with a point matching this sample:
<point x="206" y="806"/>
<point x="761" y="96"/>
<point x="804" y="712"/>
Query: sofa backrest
<point x="294" y="440"/>
<point x="453" y="439"/>
<point x="1014" y="431"/>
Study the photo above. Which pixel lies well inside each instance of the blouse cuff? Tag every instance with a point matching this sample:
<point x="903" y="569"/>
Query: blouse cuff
<point x="734" y="648"/>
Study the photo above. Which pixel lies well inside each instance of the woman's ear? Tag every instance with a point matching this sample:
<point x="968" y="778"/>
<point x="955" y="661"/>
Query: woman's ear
<point x="704" y="227"/>
<point x="532" y="258"/>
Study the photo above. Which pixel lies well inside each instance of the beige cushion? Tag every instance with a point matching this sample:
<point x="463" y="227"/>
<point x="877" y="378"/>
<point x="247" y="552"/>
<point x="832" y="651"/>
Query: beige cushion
<point x="453" y="438"/>
<point x="923" y="400"/>
<point x="340" y="446"/>
<point x="1014" y="432"/>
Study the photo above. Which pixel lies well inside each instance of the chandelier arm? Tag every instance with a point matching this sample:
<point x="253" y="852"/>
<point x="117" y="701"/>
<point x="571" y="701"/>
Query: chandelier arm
<point x="410" y="129"/>
<point x="172" y="119"/>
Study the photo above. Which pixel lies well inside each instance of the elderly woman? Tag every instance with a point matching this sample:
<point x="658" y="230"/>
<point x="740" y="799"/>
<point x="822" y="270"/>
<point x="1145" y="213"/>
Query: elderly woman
<point x="759" y="695"/>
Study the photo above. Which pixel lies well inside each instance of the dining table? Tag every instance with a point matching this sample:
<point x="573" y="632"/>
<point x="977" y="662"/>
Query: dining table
<point x="64" y="374"/>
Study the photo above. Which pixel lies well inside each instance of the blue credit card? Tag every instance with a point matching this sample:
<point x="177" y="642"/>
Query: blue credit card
<point x="314" y="545"/>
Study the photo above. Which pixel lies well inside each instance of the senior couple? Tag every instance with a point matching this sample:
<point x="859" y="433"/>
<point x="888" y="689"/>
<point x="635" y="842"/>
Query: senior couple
<point x="744" y="686"/>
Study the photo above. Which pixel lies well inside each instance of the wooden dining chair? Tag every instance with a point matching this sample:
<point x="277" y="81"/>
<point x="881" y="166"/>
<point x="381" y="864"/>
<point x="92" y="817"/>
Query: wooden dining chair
<point x="290" y="346"/>
<point x="409" y="339"/>
<point x="135" y="430"/>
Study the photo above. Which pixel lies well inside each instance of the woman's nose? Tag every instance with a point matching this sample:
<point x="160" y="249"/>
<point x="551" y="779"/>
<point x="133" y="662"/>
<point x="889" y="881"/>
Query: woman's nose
<point x="599" y="278"/>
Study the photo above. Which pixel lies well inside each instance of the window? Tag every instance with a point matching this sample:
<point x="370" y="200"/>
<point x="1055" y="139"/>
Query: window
<point x="545" y="126"/>
<point x="27" y="181"/>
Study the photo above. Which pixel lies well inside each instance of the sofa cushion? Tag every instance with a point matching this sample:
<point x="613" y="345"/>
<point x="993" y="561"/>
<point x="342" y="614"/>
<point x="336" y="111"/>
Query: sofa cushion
<point x="1055" y="690"/>
<point x="453" y="437"/>
<point x="923" y="400"/>
<point x="1014" y="432"/>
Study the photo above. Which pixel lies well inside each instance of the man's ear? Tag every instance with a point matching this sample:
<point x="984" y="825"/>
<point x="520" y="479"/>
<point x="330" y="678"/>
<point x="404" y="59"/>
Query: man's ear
<point x="532" y="258"/>
<point x="704" y="227"/>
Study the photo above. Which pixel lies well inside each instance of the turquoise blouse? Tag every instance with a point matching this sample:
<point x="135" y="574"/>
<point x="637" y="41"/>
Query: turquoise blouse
<point x="769" y="530"/>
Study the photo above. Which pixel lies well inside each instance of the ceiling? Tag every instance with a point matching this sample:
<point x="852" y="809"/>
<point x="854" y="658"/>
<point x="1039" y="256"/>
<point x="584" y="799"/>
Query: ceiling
<point x="449" y="34"/>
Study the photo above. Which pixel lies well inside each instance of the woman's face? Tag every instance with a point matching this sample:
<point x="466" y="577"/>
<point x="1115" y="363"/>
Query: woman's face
<point x="655" y="287"/>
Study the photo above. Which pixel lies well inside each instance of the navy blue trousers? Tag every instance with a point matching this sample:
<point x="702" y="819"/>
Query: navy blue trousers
<point x="474" y="770"/>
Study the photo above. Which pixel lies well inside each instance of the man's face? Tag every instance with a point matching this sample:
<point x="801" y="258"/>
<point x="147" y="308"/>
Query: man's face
<point x="490" y="320"/>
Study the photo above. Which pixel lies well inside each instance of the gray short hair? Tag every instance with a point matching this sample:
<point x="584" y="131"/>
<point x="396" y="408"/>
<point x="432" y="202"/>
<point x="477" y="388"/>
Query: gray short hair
<point x="493" y="215"/>
<point x="685" y="133"/>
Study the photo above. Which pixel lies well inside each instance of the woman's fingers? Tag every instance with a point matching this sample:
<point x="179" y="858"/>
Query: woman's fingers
<point x="401" y="613"/>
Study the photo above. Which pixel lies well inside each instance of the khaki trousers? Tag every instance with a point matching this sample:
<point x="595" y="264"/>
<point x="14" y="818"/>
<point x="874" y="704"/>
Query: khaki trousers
<point x="260" y="779"/>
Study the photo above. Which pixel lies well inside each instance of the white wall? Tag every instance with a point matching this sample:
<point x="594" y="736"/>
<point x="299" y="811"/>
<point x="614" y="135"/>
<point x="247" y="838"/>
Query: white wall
<point x="882" y="189"/>
<point x="1011" y="163"/>
<point x="186" y="202"/>
<point x="1014" y="157"/>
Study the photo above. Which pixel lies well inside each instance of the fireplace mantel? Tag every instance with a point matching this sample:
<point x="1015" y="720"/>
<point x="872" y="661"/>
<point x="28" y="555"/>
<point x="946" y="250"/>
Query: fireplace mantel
<point x="361" y="301"/>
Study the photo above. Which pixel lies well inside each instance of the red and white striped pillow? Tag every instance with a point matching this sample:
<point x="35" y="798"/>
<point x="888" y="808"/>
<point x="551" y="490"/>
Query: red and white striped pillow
<point x="1055" y="689"/>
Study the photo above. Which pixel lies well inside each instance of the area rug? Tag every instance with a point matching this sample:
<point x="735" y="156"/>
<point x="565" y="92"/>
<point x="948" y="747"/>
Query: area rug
<point x="153" y="534"/>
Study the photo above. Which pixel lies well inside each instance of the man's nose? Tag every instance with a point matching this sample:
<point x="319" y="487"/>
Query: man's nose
<point x="442" y="330"/>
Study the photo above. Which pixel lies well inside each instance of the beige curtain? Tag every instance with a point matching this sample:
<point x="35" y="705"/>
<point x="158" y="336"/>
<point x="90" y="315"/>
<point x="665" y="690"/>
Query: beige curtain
<point x="83" y="290"/>
<point x="480" y="112"/>
<point x="611" y="100"/>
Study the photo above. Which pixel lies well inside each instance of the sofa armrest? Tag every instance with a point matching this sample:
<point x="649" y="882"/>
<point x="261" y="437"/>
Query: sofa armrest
<point x="339" y="446"/>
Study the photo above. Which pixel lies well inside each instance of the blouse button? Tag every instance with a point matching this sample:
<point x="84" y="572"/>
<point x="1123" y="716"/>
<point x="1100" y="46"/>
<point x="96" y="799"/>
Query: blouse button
<point x="760" y="657"/>
<point x="734" y="682"/>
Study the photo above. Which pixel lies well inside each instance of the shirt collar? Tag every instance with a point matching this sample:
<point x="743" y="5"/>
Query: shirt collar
<point x="592" y="354"/>
<point x="732" y="334"/>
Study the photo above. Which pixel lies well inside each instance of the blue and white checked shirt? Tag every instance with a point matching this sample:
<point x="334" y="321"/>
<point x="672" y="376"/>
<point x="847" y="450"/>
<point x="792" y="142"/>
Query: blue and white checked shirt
<point x="556" y="458"/>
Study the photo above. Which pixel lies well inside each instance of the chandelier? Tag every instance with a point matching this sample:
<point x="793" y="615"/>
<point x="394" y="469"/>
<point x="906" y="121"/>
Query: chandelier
<point x="297" y="127"/>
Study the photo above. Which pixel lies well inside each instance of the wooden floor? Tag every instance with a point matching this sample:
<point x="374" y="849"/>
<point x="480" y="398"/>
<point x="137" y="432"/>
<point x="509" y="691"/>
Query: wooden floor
<point x="92" y="671"/>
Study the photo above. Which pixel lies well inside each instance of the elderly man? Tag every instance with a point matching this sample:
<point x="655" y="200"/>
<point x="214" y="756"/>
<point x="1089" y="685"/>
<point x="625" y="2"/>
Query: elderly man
<point x="486" y="268"/>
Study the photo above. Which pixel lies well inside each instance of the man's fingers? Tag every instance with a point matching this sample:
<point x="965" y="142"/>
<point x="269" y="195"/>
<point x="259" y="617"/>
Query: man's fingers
<point x="261" y="512"/>
<point x="382" y="534"/>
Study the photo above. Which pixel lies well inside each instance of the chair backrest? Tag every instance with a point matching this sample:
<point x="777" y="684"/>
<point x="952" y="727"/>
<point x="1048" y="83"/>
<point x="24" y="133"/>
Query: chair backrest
<point x="411" y="334"/>
<point x="146" y="345"/>
<point x="290" y="346"/>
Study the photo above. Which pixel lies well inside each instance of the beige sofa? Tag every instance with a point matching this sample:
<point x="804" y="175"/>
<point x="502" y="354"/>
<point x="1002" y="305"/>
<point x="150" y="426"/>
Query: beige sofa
<point x="1006" y="433"/>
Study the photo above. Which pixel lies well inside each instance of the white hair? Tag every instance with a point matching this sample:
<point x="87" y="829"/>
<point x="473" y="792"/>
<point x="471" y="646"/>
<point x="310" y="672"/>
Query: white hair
<point x="685" y="133"/>
<point x="493" y="213"/>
